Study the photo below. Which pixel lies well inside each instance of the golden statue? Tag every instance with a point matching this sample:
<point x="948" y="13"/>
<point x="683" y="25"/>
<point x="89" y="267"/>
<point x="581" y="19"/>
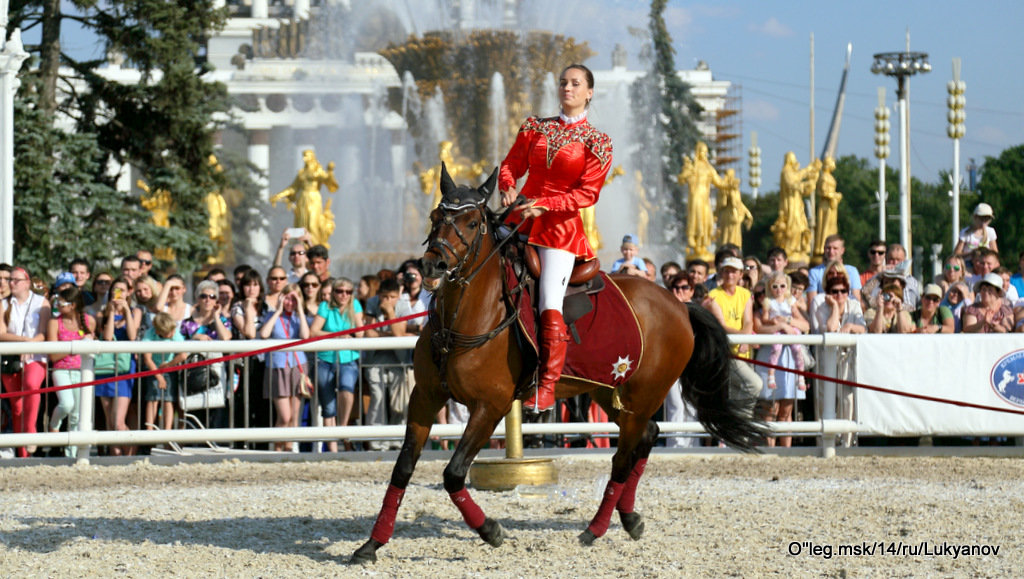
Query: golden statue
<point x="217" y="203"/>
<point x="699" y="175"/>
<point x="589" y="216"/>
<point x="643" y="208"/>
<point x="303" y="195"/>
<point x="732" y="214"/>
<point x="430" y="180"/>
<point x="827" y="210"/>
<point x="790" y="230"/>
<point x="159" y="202"/>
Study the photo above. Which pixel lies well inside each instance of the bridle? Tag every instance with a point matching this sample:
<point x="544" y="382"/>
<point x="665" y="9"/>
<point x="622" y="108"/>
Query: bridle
<point x="445" y="340"/>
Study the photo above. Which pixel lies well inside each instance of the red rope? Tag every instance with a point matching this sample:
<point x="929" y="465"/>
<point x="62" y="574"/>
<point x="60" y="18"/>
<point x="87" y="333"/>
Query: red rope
<point x="200" y="363"/>
<point x="881" y="389"/>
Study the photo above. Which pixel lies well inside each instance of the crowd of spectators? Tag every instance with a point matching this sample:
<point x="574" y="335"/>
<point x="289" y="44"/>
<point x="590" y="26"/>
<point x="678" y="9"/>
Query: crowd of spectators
<point x="974" y="293"/>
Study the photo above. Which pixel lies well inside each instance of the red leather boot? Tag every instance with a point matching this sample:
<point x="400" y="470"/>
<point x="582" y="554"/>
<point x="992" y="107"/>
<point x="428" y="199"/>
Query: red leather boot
<point x="554" y="341"/>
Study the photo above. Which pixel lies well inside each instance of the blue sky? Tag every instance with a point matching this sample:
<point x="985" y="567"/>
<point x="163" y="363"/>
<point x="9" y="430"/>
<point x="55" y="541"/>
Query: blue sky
<point x="765" y="47"/>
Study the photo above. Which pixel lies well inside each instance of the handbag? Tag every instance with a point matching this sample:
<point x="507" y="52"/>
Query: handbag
<point x="111" y="364"/>
<point x="201" y="378"/>
<point x="10" y="364"/>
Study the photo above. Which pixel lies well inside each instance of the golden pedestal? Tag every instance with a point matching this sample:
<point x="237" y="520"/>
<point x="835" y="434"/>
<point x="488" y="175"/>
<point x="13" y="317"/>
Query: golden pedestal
<point x="507" y="473"/>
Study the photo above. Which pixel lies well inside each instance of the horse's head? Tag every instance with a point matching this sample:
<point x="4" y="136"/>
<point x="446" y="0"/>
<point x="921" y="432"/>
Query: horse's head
<point x="459" y="225"/>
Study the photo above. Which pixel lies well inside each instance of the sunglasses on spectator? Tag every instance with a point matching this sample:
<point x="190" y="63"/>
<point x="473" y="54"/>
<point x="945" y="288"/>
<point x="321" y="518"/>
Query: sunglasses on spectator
<point x="343" y="292"/>
<point x="877" y="252"/>
<point x="306" y="285"/>
<point x="838" y="290"/>
<point x="951" y="267"/>
<point x="681" y="287"/>
<point x="146" y="261"/>
<point x="778" y="286"/>
<point x="297" y="253"/>
<point x="63" y="304"/>
<point x="930" y="298"/>
<point x="207" y="296"/>
<point x="101" y="282"/>
<point x="276" y="278"/>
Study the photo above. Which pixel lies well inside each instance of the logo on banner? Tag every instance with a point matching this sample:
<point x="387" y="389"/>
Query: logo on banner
<point x="1007" y="378"/>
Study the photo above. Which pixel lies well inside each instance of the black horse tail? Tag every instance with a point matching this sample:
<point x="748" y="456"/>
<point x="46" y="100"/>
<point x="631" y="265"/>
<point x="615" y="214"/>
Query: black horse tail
<point x="708" y="380"/>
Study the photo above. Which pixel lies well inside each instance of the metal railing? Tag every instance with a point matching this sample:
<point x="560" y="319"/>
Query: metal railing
<point x="824" y="428"/>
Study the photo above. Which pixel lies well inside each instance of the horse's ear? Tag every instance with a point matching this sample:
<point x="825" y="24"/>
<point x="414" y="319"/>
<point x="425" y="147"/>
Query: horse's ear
<point x="446" y="181"/>
<point x="488" y="187"/>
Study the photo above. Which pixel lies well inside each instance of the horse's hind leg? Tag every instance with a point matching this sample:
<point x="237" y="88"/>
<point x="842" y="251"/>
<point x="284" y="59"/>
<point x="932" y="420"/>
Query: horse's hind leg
<point x="636" y="438"/>
<point x="482" y="421"/>
<point x="423" y="406"/>
<point x="632" y="521"/>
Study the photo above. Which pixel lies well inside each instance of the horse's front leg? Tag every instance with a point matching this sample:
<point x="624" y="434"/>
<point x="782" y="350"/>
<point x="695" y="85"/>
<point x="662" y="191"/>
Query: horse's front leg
<point x="483" y="419"/>
<point x="424" y="403"/>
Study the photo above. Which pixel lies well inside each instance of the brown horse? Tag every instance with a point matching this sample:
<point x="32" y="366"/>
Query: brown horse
<point x="468" y="352"/>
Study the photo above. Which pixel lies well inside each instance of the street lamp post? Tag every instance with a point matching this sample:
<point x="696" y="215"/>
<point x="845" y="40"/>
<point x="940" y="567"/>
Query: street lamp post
<point x="755" y="164"/>
<point x="12" y="54"/>
<point x="903" y="65"/>
<point x="881" y="153"/>
<point x="955" y="130"/>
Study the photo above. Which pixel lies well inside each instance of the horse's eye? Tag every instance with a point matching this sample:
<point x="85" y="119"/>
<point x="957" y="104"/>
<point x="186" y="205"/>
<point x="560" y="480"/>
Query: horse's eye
<point x="473" y="224"/>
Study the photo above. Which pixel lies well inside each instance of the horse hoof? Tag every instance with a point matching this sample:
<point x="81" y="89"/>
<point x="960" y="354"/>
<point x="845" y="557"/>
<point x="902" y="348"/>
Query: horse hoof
<point x="492" y="533"/>
<point x="634" y="524"/>
<point x="587" y="538"/>
<point x="365" y="554"/>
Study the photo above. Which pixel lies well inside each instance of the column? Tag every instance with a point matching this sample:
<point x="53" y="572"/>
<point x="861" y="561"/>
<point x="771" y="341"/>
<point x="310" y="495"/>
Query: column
<point x="12" y="54"/>
<point x="259" y="155"/>
<point x="259" y="8"/>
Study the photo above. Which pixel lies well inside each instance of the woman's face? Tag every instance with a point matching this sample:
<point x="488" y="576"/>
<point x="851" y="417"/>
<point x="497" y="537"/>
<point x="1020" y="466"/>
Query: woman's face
<point x="251" y="289"/>
<point x="206" y="300"/>
<point x="119" y="291"/>
<point x="753" y="270"/>
<point x="990" y="296"/>
<point x="225" y="295"/>
<point x="342" y="294"/>
<point x="955" y="296"/>
<point x="325" y="293"/>
<point x="952" y="271"/>
<point x="143" y="293"/>
<point x="364" y="290"/>
<point x="289" y="304"/>
<point x="574" y="91"/>
<point x="310" y="286"/>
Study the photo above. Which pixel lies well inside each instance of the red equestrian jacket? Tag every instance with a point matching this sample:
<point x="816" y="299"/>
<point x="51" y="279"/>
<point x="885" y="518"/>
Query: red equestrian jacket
<point x="567" y="167"/>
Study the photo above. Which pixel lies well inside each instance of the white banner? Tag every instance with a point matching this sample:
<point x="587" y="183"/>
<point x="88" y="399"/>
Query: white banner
<point x="978" y="369"/>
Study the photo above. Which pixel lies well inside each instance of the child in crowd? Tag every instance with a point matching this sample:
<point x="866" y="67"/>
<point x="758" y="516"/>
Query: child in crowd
<point x="162" y="388"/>
<point x="630" y="263"/>
<point x="71" y="324"/>
<point x="779" y="309"/>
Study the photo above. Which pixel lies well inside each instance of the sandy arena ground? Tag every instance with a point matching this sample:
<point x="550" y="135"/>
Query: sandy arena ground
<point x="705" y="516"/>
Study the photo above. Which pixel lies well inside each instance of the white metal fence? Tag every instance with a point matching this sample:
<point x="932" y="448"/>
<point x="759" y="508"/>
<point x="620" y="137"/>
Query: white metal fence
<point x="826" y="427"/>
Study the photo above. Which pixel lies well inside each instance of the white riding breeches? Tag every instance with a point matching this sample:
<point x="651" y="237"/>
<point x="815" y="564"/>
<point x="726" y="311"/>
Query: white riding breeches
<point x="555" y="269"/>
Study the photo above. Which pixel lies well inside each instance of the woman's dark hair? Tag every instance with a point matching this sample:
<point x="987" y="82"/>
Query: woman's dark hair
<point x="254" y="276"/>
<point x="75" y="297"/>
<point x="586" y="71"/>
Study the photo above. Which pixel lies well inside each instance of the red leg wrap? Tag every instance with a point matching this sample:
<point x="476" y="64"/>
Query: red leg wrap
<point x="628" y="498"/>
<point x="385" y="525"/>
<point x="599" y="524"/>
<point x="471" y="513"/>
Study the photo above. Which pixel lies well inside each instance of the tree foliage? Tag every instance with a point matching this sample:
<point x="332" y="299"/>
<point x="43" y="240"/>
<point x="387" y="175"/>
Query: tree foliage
<point x="1002" y="186"/>
<point x="163" y="124"/>
<point x="664" y="113"/>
